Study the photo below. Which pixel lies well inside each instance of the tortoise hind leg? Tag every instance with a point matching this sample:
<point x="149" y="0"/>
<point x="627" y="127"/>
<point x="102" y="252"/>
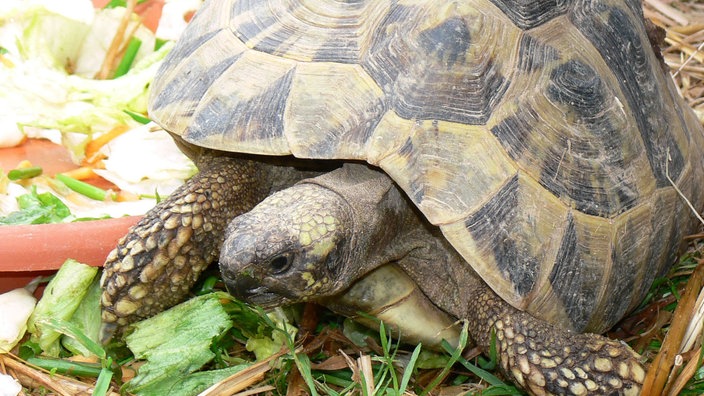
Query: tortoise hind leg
<point x="158" y="261"/>
<point x="545" y="359"/>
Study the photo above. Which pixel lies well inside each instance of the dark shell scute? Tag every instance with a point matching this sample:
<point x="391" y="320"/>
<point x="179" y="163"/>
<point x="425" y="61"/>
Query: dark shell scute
<point x="190" y="87"/>
<point x="620" y="43"/>
<point x="572" y="281"/>
<point x="527" y="14"/>
<point x="260" y="116"/>
<point x="432" y="74"/>
<point x="514" y="130"/>
<point x="577" y="88"/>
<point x="494" y="223"/>
<point x="449" y="41"/>
<point x="465" y="99"/>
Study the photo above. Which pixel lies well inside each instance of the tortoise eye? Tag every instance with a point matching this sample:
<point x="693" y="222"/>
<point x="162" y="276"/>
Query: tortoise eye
<point x="280" y="264"/>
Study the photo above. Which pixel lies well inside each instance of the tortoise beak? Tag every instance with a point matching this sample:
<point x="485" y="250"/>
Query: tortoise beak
<point x="249" y="289"/>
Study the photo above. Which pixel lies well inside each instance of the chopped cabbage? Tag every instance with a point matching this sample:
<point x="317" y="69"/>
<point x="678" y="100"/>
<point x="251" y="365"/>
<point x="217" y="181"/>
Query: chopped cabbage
<point x="49" y="53"/>
<point x="16" y="306"/>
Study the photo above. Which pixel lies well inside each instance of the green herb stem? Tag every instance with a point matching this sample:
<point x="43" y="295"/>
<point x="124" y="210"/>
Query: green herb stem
<point x="83" y="188"/>
<point x="24" y="173"/>
<point x="128" y="58"/>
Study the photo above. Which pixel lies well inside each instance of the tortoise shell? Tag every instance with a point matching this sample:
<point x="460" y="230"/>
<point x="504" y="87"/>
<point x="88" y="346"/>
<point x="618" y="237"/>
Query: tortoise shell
<point x="539" y="135"/>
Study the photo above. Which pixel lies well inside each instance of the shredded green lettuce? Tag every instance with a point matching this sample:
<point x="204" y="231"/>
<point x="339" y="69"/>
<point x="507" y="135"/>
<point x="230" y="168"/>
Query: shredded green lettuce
<point x="60" y="300"/>
<point x="36" y="208"/>
<point x="176" y="343"/>
<point x="87" y="320"/>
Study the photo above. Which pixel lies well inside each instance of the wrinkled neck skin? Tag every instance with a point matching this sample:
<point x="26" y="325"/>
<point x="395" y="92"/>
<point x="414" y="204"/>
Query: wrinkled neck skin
<point x="381" y="219"/>
<point x="387" y="228"/>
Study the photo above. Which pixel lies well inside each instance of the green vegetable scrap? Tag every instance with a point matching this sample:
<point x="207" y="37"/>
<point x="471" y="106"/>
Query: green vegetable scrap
<point x="128" y="58"/>
<point x="83" y="188"/>
<point x="87" y="320"/>
<point x="24" y="173"/>
<point x="175" y="344"/>
<point x="61" y="298"/>
<point x="138" y="117"/>
<point x="37" y="208"/>
<point x="120" y="3"/>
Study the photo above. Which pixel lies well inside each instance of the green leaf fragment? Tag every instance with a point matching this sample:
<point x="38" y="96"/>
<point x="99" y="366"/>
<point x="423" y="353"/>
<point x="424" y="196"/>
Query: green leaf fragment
<point x="198" y="382"/>
<point x="120" y="3"/>
<point x="82" y="333"/>
<point x="175" y="343"/>
<point x="37" y="208"/>
<point x="61" y="297"/>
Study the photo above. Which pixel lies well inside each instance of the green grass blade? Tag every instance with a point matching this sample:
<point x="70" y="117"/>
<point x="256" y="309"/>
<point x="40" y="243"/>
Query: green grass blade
<point x="71" y="330"/>
<point x="103" y="383"/>
<point x="62" y="366"/>
<point x="455" y="356"/>
<point x="303" y="364"/>
<point x="409" y="370"/>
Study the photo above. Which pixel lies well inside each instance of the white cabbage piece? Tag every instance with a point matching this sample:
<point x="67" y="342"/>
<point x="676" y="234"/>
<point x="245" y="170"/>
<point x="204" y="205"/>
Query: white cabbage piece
<point x="15" y="308"/>
<point x="145" y="161"/>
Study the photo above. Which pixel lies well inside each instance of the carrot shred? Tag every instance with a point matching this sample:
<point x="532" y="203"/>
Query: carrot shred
<point x="125" y="196"/>
<point x="82" y="173"/>
<point x="93" y="147"/>
<point x="6" y="62"/>
<point x="24" y="164"/>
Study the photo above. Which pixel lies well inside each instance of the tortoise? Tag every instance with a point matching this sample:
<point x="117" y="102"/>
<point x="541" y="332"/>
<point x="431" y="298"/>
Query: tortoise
<point x="540" y="137"/>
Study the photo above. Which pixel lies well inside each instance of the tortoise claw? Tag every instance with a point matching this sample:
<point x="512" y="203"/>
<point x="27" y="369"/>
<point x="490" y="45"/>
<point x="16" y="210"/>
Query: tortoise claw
<point x="107" y="332"/>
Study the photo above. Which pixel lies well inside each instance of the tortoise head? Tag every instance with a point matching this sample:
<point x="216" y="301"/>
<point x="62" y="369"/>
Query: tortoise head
<point x="292" y="247"/>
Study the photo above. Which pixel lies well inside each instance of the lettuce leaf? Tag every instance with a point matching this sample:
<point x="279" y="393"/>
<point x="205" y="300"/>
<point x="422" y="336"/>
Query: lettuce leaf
<point x="36" y="208"/>
<point x="60" y="300"/>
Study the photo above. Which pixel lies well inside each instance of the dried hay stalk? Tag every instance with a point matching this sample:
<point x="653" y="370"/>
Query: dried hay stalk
<point x="683" y="22"/>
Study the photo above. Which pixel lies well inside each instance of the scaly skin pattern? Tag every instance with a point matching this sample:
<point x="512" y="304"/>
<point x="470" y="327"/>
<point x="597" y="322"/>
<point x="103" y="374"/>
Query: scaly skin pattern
<point x="269" y="258"/>
<point x="546" y="360"/>
<point x="158" y="261"/>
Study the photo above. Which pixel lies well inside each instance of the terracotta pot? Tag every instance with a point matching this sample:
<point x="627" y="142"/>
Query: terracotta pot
<point x="28" y="251"/>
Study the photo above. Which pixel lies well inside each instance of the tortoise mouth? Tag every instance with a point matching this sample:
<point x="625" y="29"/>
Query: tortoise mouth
<point x="254" y="294"/>
<point x="265" y="300"/>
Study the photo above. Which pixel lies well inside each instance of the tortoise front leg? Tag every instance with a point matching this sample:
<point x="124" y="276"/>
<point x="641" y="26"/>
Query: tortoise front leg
<point x="158" y="261"/>
<point x="547" y="360"/>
